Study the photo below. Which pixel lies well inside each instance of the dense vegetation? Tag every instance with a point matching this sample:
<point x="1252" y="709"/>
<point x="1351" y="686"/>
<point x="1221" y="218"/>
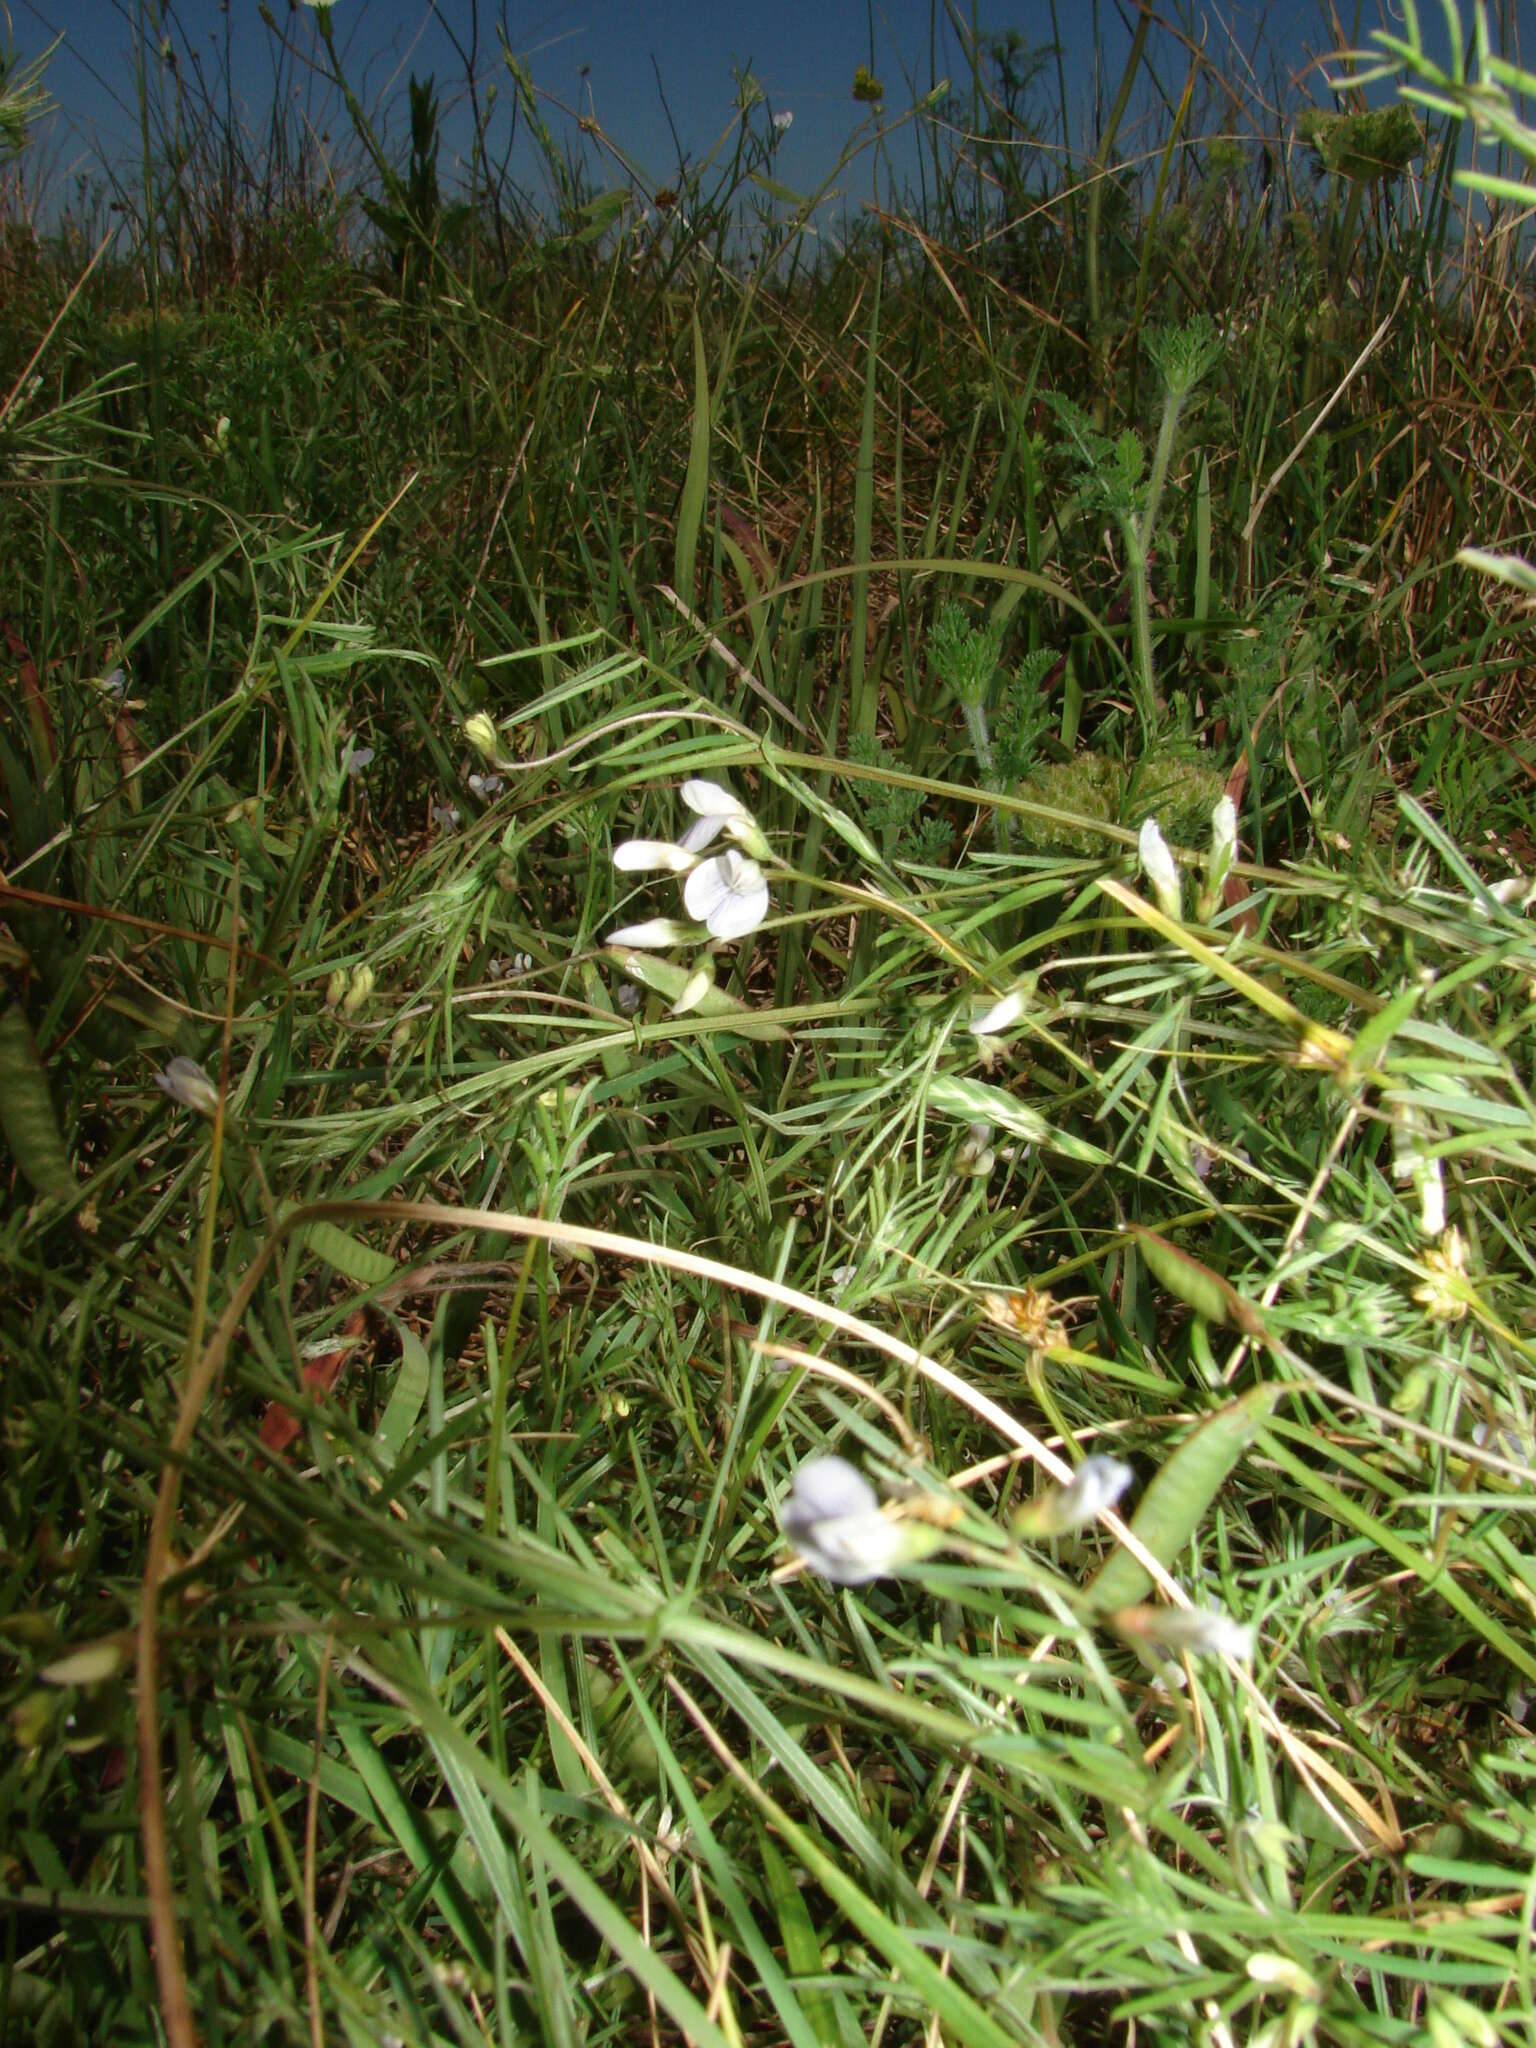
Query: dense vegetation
<point x="398" y="1638"/>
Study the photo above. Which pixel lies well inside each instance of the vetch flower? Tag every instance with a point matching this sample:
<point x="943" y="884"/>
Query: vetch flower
<point x="484" y="786"/>
<point x="715" y="811"/>
<point x="354" y="759"/>
<point x="1160" y="868"/>
<point x="642" y="856"/>
<point x="1008" y="1010"/>
<point x="654" y="935"/>
<point x="695" y="989"/>
<point x="783" y="121"/>
<point x="1219" y="860"/>
<point x="1204" y="1631"/>
<point x="727" y="895"/>
<point x="974" y="1154"/>
<point x="447" y="816"/>
<point x="187" y="1083"/>
<point x="832" y="1516"/>
<point x="1096" y="1485"/>
<point x="1223" y="840"/>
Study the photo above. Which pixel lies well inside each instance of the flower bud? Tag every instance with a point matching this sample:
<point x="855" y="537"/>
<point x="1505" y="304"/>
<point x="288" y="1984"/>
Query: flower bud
<point x="187" y="1083"/>
<point x="480" y="731"/>
<point x="359" y="989"/>
<point x="1160" y="869"/>
<point x="1096" y="1485"/>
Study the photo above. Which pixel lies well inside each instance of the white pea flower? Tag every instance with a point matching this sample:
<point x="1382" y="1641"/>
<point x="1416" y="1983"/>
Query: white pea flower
<point x="1002" y="1013"/>
<point x="354" y="759"/>
<point x="975" y="1155"/>
<point x="1096" y="1485"/>
<point x="115" y="683"/>
<point x="447" y="816"/>
<point x="832" y="1516"/>
<point x="1160" y="868"/>
<point x="715" y="811"/>
<point x="1223" y="840"/>
<point x="188" y="1083"/>
<point x="1205" y="1631"/>
<point x="642" y="856"/>
<point x="727" y="895"/>
<point x="654" y="935"/>
<point x="783" y="121"/>
<point x="1218" y="861"/>
<point x="485" y="786"/>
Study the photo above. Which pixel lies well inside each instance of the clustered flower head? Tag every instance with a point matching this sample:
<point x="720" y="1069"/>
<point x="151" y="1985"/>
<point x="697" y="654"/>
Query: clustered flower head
<point x="726" y="894"/>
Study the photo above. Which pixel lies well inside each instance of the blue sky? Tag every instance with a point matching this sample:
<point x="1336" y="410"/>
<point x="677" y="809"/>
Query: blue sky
<point x="633" y="65"/>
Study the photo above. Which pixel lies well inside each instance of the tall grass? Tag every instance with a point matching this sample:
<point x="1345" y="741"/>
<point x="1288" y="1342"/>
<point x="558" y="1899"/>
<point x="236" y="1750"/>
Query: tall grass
<point x="400" y="1644"/>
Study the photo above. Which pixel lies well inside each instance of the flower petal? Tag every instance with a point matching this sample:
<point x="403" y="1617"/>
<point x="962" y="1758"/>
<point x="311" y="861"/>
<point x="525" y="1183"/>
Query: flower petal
<point x="709" y="800"/>
<point x="1008" y="1010"/>
<point x="701" y="833"/>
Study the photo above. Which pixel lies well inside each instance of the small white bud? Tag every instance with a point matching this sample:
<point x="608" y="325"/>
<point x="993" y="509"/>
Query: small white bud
<point x="1160" y="869"/>
<point x="187" y="1083"/>
<point x="1096" y="1485"/>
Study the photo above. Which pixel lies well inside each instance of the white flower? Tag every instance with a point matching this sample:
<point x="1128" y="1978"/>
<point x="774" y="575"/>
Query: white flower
<point x="115" y="683"/>
<point x="447" y="816"/>
<point x="187" y="1083"/>
<point x="1223" y="840"/>
<point x="656" y="932"/>
<point x="695" y="989"/>
<point x="975" y="1154"/>
<point x="1207" y="1631"/>
<point x="832" y="1516"/>
<point x="640" y="856"/>
<point x="485" y="786"/>
<point x="715" y="811"/>
<point x="354" y="759"/>
<point x="727" y="895"/>
<point x="783" y="121"/>
<point x="1096" y="1485"/>
<point x="1160" y="869"/>
<point x="1003" y="1013"/>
